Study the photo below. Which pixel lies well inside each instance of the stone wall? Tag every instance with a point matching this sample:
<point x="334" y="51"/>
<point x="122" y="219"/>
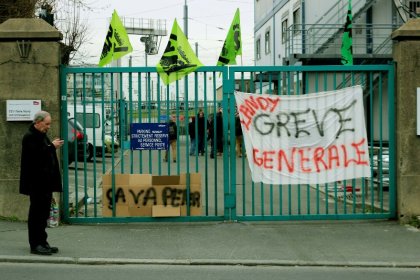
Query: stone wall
<point x="34" y="77"/>
<point x="407" y="57"/>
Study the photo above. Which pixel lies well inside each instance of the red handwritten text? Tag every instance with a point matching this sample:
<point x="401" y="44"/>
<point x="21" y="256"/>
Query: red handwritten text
<point x="252" y="104"/>
<point x="307" y="160"/>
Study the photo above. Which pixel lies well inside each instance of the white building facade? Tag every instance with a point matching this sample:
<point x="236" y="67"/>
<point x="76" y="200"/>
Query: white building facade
<point x="309" y="32"/>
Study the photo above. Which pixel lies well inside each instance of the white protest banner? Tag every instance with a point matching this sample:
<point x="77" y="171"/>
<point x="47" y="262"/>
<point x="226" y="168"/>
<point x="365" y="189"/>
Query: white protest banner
<point x="305" y="139"/>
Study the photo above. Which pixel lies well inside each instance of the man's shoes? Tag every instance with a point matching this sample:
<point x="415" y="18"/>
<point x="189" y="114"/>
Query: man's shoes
<point x="54" y="250"/>
<point x="41" y="250"/>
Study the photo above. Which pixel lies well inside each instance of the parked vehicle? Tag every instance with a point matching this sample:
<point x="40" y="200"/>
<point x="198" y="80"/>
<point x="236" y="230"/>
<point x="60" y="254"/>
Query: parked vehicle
<point x="97" y="128"/>
<point x="149" y="105"/>
<point x="77" y="141"/>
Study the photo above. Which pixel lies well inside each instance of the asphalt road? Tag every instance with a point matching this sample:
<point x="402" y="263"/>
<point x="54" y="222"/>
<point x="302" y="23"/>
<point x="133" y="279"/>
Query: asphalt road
<point x="35" y="271"/>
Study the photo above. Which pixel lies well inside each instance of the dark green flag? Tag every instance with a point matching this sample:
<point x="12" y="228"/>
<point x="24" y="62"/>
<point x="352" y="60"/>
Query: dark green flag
<point x="347" y="41"/>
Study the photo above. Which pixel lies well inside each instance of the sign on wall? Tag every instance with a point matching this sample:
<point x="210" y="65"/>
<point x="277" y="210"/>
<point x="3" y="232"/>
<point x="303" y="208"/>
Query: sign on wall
<point x="149" y="136"/>
<point x="22" y="110"/>
<point x="305" y="139"/>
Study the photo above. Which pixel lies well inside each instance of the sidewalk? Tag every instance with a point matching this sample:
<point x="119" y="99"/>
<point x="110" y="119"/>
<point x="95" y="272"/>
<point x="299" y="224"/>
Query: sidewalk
<point x="373" y="243"/>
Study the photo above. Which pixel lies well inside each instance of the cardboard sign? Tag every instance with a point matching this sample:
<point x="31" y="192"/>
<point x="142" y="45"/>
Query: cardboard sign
<point x="153" y="196"/>
<point x="305" y="139"/>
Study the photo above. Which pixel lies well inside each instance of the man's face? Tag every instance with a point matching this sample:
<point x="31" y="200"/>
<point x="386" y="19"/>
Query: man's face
<point x="44" y="126"/>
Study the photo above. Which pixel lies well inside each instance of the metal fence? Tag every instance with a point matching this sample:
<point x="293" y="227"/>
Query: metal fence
<point x="118" y="97"/>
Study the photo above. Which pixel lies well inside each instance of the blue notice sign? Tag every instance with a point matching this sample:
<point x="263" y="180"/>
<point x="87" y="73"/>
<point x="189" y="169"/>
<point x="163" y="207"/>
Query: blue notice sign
<point x="149" y="136"/>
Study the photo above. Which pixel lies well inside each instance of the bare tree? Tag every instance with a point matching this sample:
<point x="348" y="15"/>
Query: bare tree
<point x="67" y="19"/>
<point x="63" y="14"/>
<point x="16" y="9"/>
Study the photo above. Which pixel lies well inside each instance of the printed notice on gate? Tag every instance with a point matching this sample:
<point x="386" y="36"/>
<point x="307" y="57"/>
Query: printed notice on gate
<point x="149" y="136"/>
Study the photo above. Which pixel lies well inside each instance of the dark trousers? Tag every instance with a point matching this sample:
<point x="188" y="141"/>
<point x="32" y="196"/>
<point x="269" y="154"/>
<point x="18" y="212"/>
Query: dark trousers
<point x="39" y="212"/>
<point x="219" y="144"/>
<point x="201" y="145"/>
<point x="212" y="147"/>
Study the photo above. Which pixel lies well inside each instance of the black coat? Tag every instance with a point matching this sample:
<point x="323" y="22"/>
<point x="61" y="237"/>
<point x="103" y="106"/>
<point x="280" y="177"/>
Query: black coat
<point x="173" y="132"/>
<point x="210" y="127"/>
<point x="238" y="128"/>
<point x="201" y="127"/>
<point x="191" y="129"/>
<point x="40" y="170"/>
<point x="219" y="132"/>
<point x="219" y="125"/>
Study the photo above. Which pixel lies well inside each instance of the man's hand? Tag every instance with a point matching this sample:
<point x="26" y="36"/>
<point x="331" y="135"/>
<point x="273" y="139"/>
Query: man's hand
<point x="57" y="142"/>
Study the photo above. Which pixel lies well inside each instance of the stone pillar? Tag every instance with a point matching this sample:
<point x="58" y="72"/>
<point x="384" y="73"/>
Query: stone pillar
<point x="25" y="76"/>
<point x="406" y="54"/>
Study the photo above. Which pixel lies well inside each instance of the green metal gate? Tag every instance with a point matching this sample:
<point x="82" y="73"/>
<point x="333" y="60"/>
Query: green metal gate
<point x="356" y="199"/>
<point x="105" y="101"/>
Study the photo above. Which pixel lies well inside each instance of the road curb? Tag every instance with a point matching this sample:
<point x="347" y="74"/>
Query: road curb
<point x="201" y="262"/>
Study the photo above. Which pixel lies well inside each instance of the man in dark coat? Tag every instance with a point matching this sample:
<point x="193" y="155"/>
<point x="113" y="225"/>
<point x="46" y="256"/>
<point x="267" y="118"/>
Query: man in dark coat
<point x="239" y="135"/>
<point x="191" y="132"/>
<point x="219" y="132"/>
<point x="39" y="178"/>
<point x="210" y="134"/>
<point x="201" y="123"/>
<point x="172" y="136"/>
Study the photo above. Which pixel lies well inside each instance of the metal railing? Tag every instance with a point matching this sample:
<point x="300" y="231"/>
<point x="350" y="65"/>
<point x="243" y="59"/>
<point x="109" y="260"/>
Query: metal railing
<point x="337" y="12"/>
<point x="367" y="39"/>
<point x="144" y="26"/>
<point x="227" y="189"/>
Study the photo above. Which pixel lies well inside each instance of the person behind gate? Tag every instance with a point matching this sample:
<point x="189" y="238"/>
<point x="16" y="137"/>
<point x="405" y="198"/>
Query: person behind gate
<point x="39" y="177"/>
<point x="191" y="132"/>
<point x="210" y="134"/>
<point x="239" y="135"/>
<point x="219" y="132"/>
<point x="172" y="131"/>
<point x="201" y="120"/>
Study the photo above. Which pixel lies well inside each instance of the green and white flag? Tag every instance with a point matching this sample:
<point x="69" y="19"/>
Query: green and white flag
<point x="179" y="59"/>
<point x="347" y="40"/>
<point x="117" y="43"/>
<point x="233" y="43"/>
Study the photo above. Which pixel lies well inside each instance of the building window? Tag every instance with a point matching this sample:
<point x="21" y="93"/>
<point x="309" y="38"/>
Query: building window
<point x="284" y="31"/>
<point x="267" y="41"/>
<point x="414" y="7"/>
<point x="296" y="22"/>
<point x="258" y="49"/>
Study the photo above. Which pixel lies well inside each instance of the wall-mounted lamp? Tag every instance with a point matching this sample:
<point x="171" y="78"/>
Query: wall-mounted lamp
<point x="24" y="48"/>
